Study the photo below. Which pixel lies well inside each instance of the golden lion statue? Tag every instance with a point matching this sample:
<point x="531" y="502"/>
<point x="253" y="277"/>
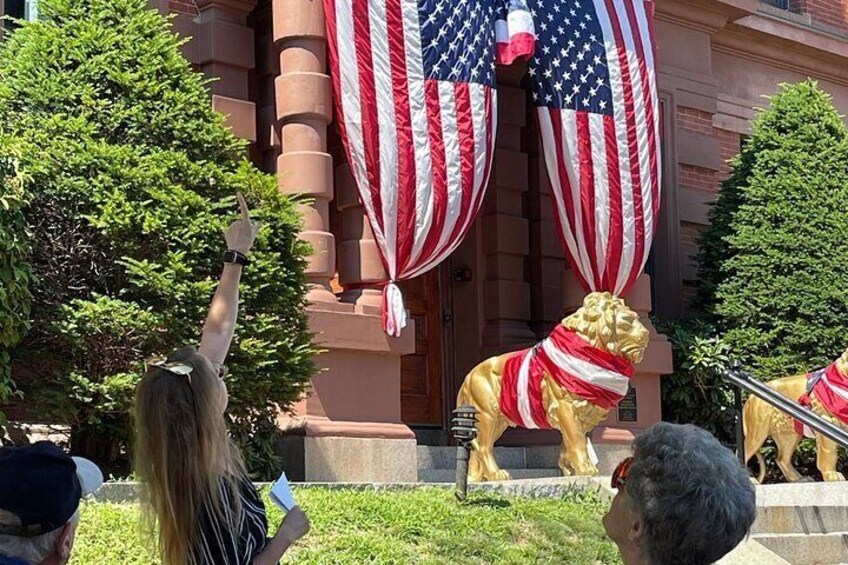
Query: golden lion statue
<point x="761" y="420"/>
<point x="568" y="382"/>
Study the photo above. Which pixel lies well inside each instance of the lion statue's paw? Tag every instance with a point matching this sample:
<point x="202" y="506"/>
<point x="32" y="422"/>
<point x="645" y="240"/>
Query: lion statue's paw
<point x="499" y="475"/>
<point x="833" y="476"/>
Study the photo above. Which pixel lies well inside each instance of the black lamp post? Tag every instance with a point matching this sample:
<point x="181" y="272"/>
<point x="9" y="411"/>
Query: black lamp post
<point x="464" y="429"/>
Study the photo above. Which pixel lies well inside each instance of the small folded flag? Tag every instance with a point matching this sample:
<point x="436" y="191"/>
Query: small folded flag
<point x="515" y="33"/>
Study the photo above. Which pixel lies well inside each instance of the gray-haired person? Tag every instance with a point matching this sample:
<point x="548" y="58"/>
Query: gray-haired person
<point x="683" y="499"/>
<point x="40" y="491"/>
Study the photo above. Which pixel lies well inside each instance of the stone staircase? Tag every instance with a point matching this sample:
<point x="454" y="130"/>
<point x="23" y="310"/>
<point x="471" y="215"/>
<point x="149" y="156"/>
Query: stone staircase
<point x="804" y="523"/>
<point x="438" y="464"/>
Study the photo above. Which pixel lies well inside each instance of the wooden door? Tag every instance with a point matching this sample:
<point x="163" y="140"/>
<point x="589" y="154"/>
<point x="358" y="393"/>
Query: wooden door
<point x="421" y="372"/>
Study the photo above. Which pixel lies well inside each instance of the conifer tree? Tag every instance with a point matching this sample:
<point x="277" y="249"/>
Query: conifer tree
<point x="772" y="264"/>
<point x="132" y="182"/>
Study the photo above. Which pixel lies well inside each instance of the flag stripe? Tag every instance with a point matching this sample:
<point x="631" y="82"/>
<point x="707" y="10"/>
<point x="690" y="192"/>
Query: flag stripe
<point x="439" y="159"/>
<point x="524" y="393"/>
<point x="636" y="16"/>
<point x="450" y="135"/>
<point x="601" y="206"/>
<point x="388" y="149"/>
<point x="587" y="192"/>
<point x="616" y="207"/>
<point x="626" y="84"/>
<point x="406" y="177"/>
<point x="465" y="125"/>
<point x="550" y="122"/>
<point x="573" y="166"/>
<point x="368" y="123"/>
<point x="627" y="243"/>
<point x="340" y="24"/>
<point x="644" y="124"/>
<point x="481" y="101"/>
<point x="424" y="204"/>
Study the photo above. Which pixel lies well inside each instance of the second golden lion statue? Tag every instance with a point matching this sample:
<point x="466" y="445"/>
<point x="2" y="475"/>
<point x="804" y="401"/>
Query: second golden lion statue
<point x="822" y="390"/>
<point x="597" y="345"/>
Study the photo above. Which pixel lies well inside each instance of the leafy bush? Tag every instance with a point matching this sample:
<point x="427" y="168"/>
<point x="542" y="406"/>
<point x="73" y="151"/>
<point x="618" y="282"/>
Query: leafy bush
<point x="133" y="182"/>
<point x="15" y="271"/>
<point x="695" y="393"/>
<point x="772" y="264"/>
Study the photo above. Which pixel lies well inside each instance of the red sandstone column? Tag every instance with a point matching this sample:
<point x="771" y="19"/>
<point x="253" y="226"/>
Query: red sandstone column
<point x="304" y="110"/>
<point x="359" y="259"/>
<point x="225" y="50"/>
<point x="506" y="234"/>
<point x="547" y="257"/>
<point x="267" y="146"/>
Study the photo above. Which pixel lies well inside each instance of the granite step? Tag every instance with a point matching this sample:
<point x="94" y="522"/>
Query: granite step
<point x="807" y="549"/>
<point x="533" y="457"/>
<point x="802" y="508"/>
<point x="449" y="475"/>
<point x="751" y="552"/>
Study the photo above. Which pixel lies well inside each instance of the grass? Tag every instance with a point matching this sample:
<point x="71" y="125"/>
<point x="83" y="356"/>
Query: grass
<point x="422" y="527"/>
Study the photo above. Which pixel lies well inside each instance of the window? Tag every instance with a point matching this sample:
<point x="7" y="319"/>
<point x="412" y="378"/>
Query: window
<point x="19" y="10"/>
<point x="782" y="4"/>
<point x="30" y="10"/>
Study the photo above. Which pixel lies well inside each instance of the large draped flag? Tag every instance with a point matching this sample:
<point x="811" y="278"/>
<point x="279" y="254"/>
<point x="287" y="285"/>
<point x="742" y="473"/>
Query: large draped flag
<point x="415" y="96"/>
<point x="594" y="85"/>
<point x="416" y="108"/>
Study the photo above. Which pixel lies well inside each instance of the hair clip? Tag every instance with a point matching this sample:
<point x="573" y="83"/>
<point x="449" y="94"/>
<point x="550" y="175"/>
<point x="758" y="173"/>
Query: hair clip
<point x="175" y="367"/>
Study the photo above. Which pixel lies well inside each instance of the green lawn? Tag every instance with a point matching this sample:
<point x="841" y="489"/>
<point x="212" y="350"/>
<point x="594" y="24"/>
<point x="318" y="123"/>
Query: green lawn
<point x="424" y="526"/>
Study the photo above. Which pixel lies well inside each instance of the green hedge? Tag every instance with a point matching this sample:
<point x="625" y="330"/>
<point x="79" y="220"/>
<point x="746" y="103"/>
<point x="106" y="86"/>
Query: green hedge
<point x="772" y="275"/>
<point x="15" y="271"/>
<point x="133" y="177"/>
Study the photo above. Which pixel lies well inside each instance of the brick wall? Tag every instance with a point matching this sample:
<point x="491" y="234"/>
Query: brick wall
<point x="730" y="145"/>
<point x="183" y="7"/>
<point x="702" y="179"/>
<point x="828" y="12"/>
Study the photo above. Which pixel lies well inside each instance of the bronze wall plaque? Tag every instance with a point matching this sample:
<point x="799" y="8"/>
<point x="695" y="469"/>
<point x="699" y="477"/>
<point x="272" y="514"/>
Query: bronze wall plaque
<point x="627" y="410"/>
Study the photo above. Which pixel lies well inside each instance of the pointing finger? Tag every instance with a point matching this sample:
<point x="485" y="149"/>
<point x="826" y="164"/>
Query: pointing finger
<point x="245" y="211"/>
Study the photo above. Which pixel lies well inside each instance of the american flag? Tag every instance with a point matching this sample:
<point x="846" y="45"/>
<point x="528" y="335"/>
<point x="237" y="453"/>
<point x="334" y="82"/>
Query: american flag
<point x="416" y="108"/>
<point x="594" y="86"/>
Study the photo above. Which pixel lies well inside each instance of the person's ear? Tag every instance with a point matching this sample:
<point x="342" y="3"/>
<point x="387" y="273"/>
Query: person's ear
<point x="636" y="530"/>
<point x="65" y="542"/>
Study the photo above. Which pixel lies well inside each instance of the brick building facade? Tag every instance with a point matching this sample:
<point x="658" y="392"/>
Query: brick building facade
<point x="508" y="283"/>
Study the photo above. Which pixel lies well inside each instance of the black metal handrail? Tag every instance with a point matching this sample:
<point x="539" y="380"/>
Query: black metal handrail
<point x="737" y="376"/>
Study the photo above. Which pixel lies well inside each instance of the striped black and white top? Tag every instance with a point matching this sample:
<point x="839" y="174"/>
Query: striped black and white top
<point x="218" y="544"/>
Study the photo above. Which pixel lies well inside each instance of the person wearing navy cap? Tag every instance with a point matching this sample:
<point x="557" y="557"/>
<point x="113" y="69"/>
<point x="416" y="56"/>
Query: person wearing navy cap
<point x="41" y="487"/>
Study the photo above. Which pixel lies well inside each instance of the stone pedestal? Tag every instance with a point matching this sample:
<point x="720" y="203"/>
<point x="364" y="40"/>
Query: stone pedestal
<point x="349" y="427"/>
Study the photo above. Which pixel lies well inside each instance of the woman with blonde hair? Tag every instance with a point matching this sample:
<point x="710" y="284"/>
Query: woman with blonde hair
<point x="195" y="489"/>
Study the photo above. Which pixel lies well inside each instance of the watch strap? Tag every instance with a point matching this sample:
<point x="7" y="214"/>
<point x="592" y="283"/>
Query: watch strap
<point x="237" y="257"/>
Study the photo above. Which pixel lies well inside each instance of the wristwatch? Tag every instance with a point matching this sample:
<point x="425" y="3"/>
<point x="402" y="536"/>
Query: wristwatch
<point x="237" y="257"/>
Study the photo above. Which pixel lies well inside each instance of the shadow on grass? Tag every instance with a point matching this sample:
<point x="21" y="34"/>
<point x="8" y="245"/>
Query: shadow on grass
<point x="486" y="501"/>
